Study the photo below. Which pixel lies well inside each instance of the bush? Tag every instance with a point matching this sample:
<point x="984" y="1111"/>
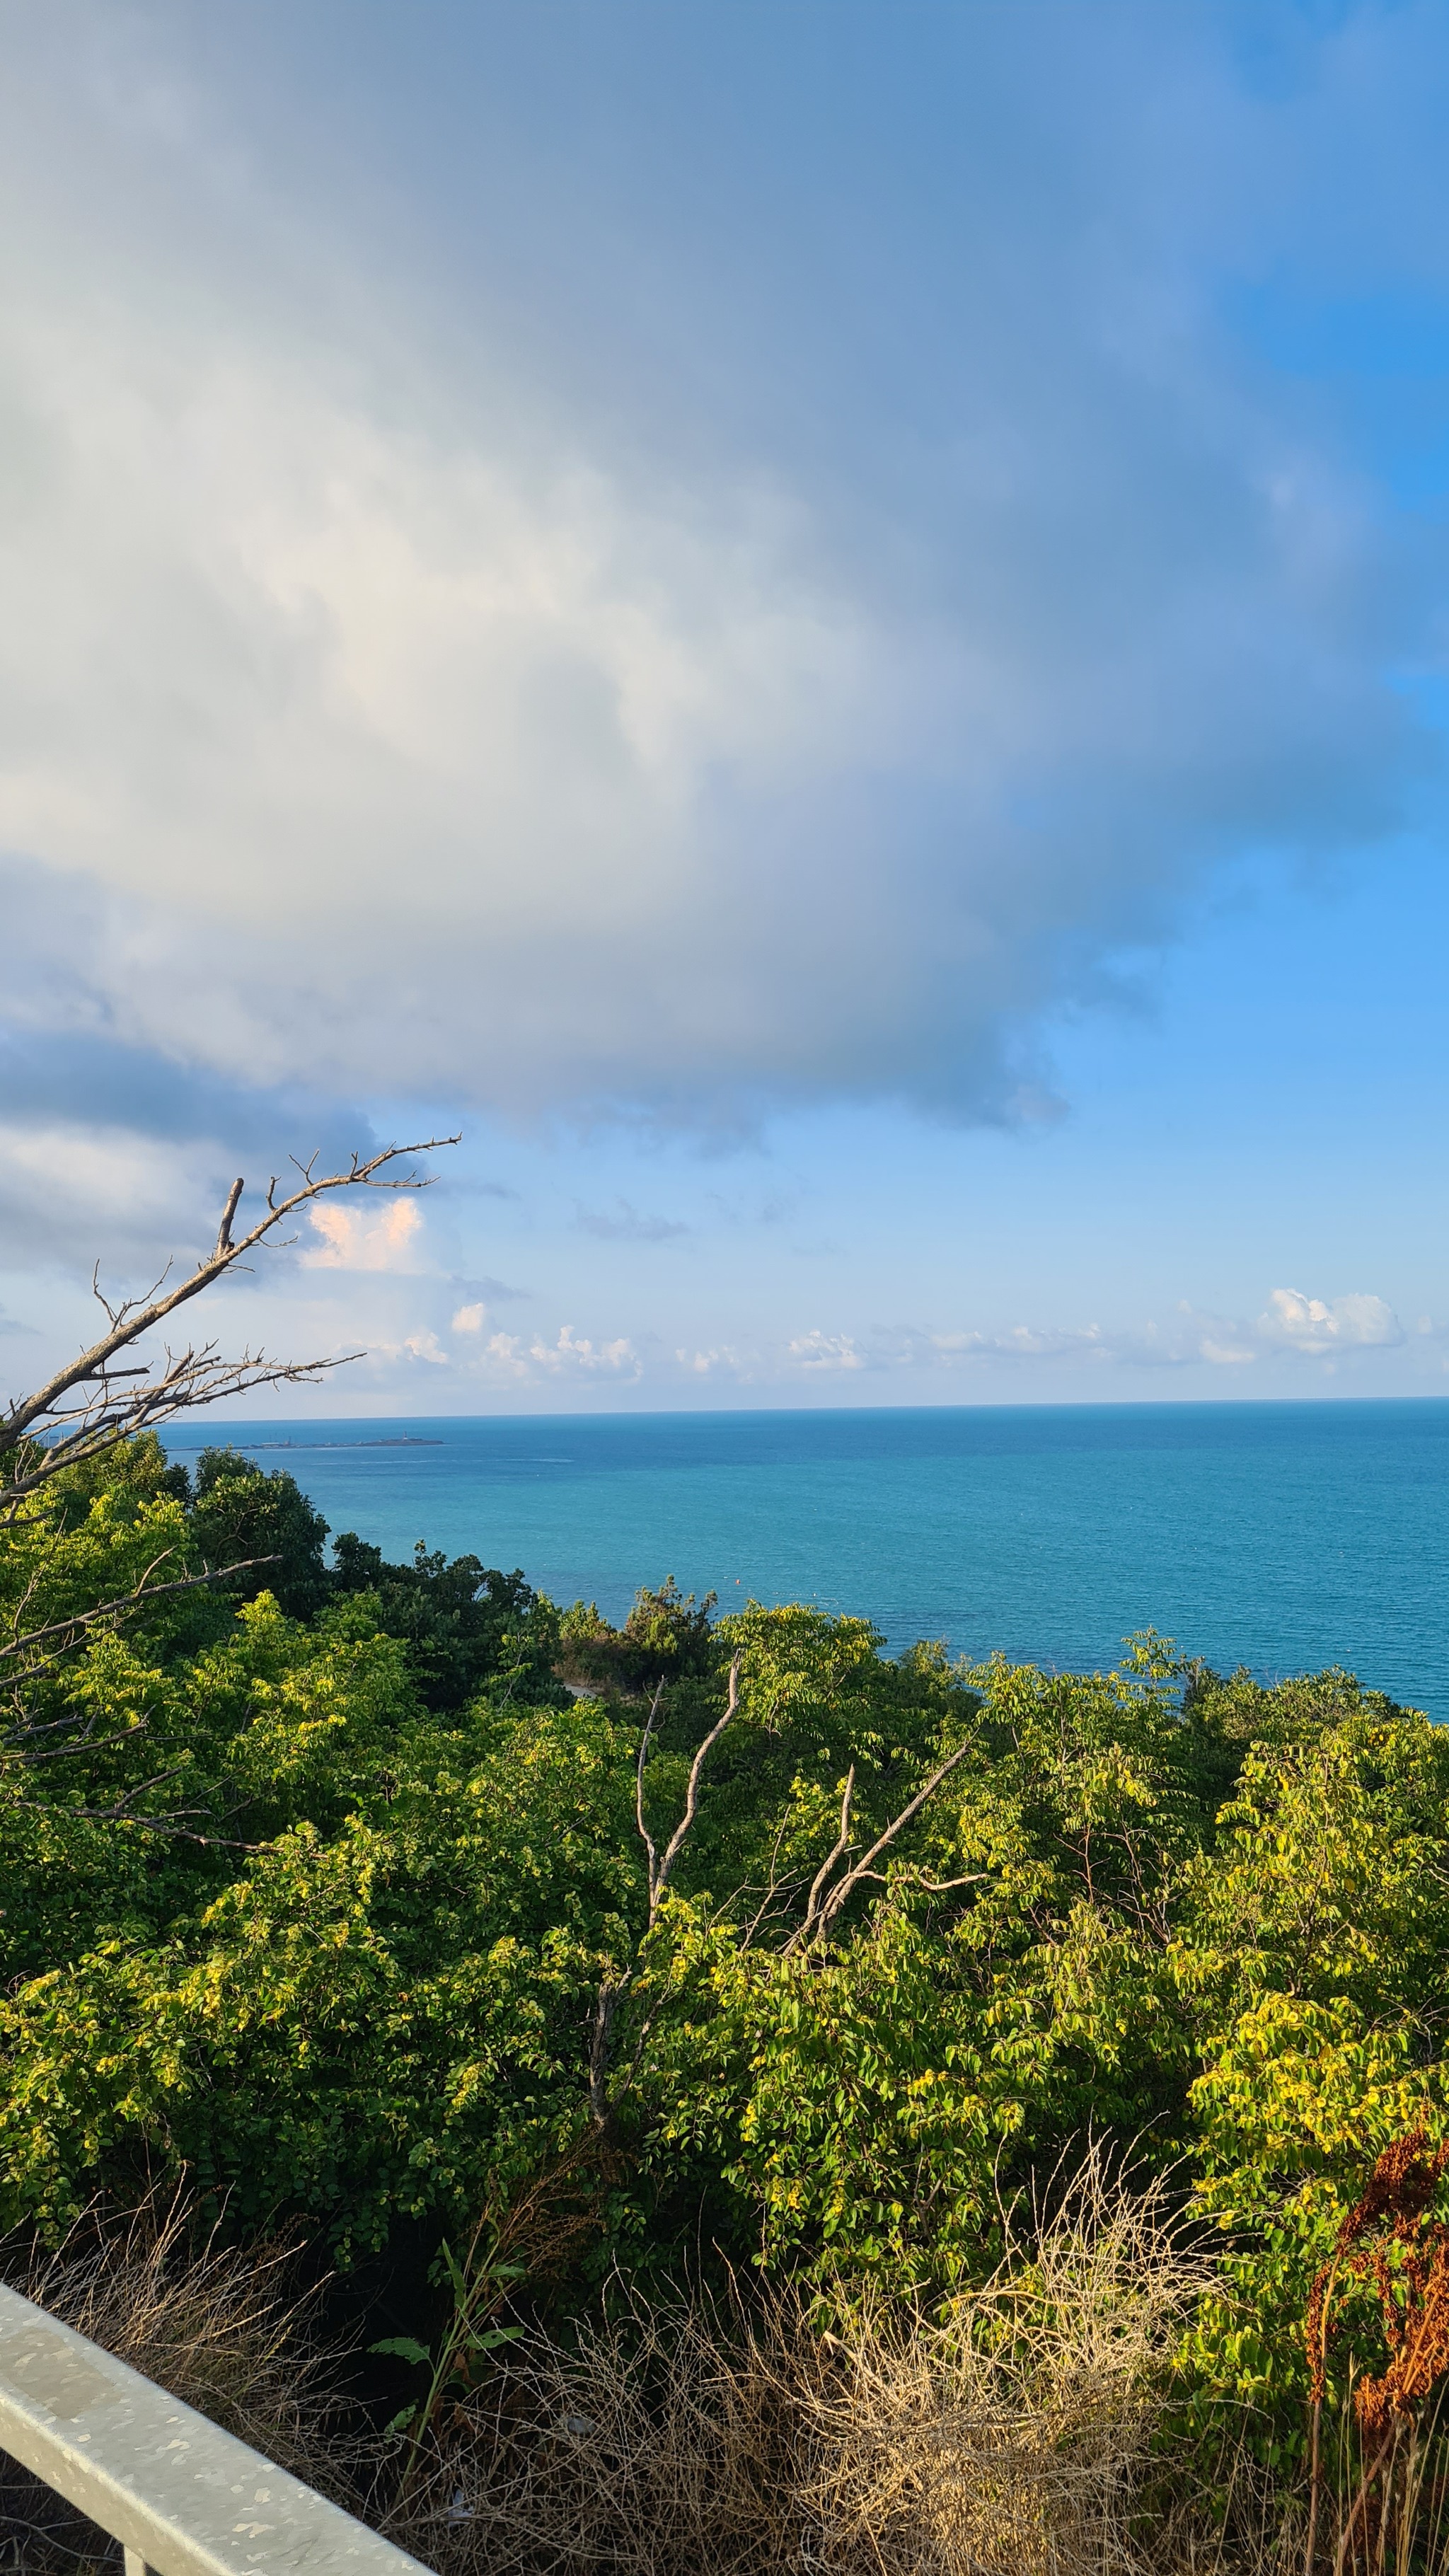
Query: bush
<point x="468" y="1626"/>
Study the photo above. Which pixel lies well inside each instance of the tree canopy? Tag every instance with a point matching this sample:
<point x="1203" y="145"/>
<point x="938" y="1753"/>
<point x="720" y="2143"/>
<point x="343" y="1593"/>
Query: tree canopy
<point x="311" y="1883"/>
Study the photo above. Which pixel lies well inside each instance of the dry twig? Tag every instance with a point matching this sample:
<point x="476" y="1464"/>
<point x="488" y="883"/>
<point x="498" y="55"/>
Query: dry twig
<point x="88" y="1407"/>
<point x="660" y="1867"/>
<point x="825" y="1903"/>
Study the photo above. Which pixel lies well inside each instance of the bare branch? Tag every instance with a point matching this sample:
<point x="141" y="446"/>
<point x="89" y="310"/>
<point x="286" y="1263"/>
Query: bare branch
<point x="822" y="1912"/>
<point x="178" y="1823"/>
<point x="644" y="1834"/>
<point x="777" y="1890"/>
<point x="842" y="1846"/>
<point x="223" y="1231"/>
<point x="80" y="1413"/>
<point x="143" y="1592"/>
<point x="113" y="1815"/>
<point x="17" y="1746"/>
<point x="659" y="1871"/>
<point x="613" y="1988"/>
<point x="172" y="1825"/>
<point x="609" y="1993"/>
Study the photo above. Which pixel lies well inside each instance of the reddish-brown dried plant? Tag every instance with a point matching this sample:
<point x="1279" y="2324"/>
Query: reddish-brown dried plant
<point x="1390" y="2238"/>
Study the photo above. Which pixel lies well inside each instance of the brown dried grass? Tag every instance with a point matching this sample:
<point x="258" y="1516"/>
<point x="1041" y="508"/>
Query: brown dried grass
<point x="232" y="2331"/>
<point x="1015" y="2433"/>
<point x="648" y="2445"/>
<point x="1011" y="2436"/>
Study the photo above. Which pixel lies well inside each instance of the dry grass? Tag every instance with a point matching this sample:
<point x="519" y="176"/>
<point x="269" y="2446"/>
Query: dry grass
<point x="652" y="2445"/>
<point x="229" y="2331"/>
<point x="1016" y="2434"/>
<point x="1013" y="2437"/>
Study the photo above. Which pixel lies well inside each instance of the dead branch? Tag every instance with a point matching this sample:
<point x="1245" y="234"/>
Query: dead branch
<point x="68" y="1629"/>
<point x="842" y="1846"/>
<point x="779" y="1888"/>
<point x="223" y="1231"/>
<point x="16" y="1746"/>
<point x="645" y="1836"/>
<point x="84" y="1410"/>
<point x="121" y="1807"/>
<point x="659" y="1870"/>
<point x="823" y="1907"/>
<point x="609" y="1992"/>
<point x="613" y="1988"/>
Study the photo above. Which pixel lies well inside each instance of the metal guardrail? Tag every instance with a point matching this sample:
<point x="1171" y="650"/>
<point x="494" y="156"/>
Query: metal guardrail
<point x="182" y="2497"/>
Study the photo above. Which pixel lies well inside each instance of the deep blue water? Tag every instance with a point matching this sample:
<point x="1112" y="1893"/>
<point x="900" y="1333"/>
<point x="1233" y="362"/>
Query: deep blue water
<point x="1282" y="1536"/>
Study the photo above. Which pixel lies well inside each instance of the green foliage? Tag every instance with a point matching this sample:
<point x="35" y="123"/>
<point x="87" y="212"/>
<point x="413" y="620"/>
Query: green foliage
<point x="1313" y="1957"/>
<point x="317" y="1891"/>
<point x="665" y="1638"/>
<point x="375" y="2017"/>
<point x="96" y="1537"/>
<point x="468" y="1625"/>
<point x="239" y="1511"/>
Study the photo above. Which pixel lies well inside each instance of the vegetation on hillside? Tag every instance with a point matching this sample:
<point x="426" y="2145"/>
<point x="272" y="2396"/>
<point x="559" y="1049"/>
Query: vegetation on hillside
<point x="348" y="1898"/>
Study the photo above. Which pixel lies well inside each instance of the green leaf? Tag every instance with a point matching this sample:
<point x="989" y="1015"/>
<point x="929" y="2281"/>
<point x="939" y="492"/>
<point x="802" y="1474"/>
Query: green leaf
<point x="406" y="2348"/>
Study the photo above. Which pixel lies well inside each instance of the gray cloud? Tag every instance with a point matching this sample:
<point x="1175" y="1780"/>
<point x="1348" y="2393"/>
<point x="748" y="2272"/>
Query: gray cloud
<point x="73" y="1191"/>
<point x="493" y="1292"/>
<point x="48" y="1075"/>
<point x="624" y="1223"/>
<point x="117" y="1149"/>
<point x="381" y="722"/>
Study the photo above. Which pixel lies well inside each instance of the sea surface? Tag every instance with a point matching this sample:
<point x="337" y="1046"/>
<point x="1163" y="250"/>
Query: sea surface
<point x="1280" y="1536"/>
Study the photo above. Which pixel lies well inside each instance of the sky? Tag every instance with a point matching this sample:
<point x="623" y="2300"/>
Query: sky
<point x="822" y="629"/>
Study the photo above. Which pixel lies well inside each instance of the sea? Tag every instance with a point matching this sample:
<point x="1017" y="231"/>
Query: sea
<point x="1280" y="1536"/>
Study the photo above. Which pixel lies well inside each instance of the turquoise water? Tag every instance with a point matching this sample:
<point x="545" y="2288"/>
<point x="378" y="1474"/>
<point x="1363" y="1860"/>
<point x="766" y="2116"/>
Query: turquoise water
<point x="1282" y="1536"/>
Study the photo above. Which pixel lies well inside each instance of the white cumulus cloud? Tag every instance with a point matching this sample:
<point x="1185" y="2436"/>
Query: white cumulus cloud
<point x="1316" y="1324"/>
<point x="817" y="1350"/>
<point x="1293" y="1325"/>
<point x="364" y="1238"/>
<point x="513" y="1356"/>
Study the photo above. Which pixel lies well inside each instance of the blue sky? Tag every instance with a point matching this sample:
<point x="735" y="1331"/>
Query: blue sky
<point x="822" y="626"/>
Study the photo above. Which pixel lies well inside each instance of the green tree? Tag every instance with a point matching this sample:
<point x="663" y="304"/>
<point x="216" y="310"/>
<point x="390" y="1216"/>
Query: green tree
<point x="469" y="1625"/>
<point x="239" y="1511"/>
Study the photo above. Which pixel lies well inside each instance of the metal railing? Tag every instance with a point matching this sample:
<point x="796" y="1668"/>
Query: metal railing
<point x="182" y="2497"/>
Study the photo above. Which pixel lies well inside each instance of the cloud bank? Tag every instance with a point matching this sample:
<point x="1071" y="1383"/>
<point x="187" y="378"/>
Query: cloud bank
<point x="726" y="580"/>
<point x="1291" y="1323"/>
<point x="1313" y="1336"/>
<point x="376" y="722"/>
